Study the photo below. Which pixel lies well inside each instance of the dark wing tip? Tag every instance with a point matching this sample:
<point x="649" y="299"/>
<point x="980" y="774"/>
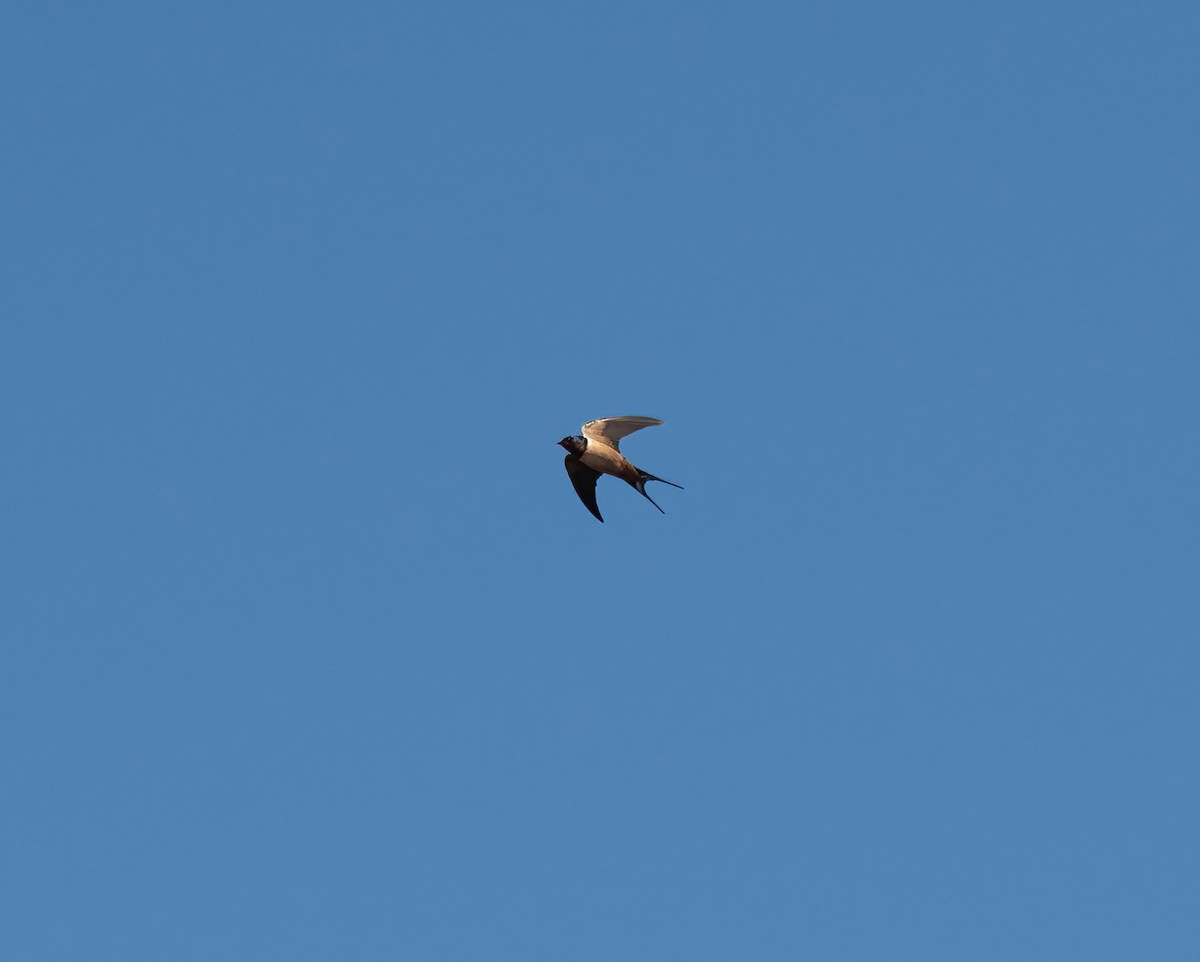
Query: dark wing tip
<point x="583" y="479"/>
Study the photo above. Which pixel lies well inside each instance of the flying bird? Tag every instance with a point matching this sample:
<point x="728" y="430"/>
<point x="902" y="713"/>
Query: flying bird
<point x="597" y="451"/>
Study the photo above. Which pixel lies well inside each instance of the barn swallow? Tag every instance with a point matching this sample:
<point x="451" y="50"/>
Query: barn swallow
<point x="597" y="452"/>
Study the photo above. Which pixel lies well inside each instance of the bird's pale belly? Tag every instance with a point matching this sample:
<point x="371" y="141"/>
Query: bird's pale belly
<point x="605" y="460"/>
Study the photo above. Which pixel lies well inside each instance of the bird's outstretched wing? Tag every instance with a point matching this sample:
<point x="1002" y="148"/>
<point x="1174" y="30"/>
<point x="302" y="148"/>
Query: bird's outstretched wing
<point x="584" y="480"/>
<point x="610" y="430"/>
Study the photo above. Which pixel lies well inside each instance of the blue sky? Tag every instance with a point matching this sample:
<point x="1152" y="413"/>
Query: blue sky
<point x="311" y="651"/>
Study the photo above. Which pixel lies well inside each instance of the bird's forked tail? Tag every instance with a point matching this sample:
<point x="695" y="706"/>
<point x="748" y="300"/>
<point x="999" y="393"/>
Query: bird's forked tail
<point x="640" y="484"/>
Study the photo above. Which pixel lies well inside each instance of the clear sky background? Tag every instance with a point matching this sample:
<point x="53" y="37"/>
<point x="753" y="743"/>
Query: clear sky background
<point x="310" y="651"/>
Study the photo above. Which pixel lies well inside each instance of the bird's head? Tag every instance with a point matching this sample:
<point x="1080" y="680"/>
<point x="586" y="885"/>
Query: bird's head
<point x="575" y="444"/>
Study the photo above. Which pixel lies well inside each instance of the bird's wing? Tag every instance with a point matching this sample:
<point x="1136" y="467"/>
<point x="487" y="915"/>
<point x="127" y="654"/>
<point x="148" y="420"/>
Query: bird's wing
<point x="610" y="430"/>
<point x="584" y="480"/>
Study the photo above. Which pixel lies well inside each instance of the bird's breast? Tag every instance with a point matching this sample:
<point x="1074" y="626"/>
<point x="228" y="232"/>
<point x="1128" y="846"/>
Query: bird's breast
<point x="602" y="458"/>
